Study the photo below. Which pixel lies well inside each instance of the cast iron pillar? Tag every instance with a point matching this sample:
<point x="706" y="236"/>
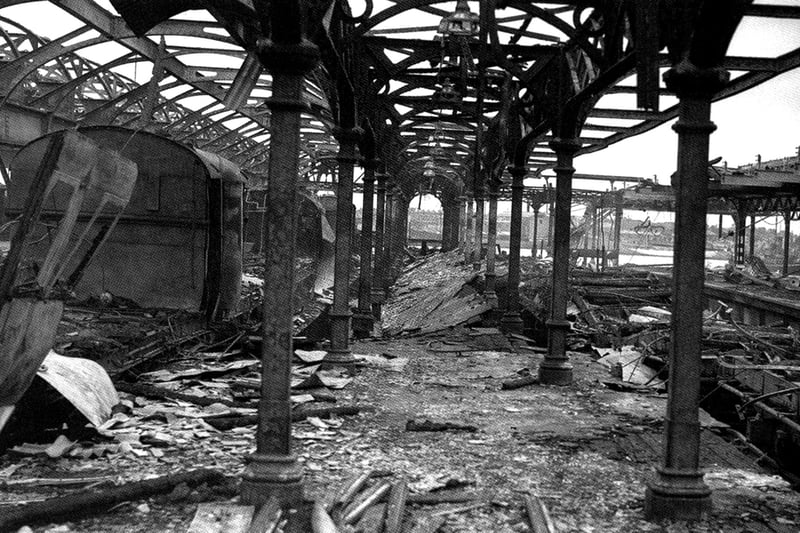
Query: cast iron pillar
<point x="512" y="321"/>
<point x="462" y="223"/>
<point x="449" y="224"/>
<point x="555" y="368"/>
<point x="491" y="247"/>
<point x="273" y="469"/>
<point x="478" y="253"/>
<point x="741" y="232"/>
<point x="363" y="319"/>
<point x="397" y="236"/>
<point x="388" y="235"/>
<point x="339" y="352"/>
<point x="787" y="226"/>
<point x="401" y="243"/>
<point x="378" y="290"/>
<point x="535" y="231"/>
<point x="678" y="490"/>
<point x="551" y="222"/>
<point x="469" y="235"/>
<point x="752" y="243"/>
<point x="618" y="215"/>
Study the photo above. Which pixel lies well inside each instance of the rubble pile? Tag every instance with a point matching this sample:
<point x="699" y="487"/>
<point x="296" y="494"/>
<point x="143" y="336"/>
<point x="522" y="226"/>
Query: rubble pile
<point x="433" y="294"/>
<point x="444" y="427"/>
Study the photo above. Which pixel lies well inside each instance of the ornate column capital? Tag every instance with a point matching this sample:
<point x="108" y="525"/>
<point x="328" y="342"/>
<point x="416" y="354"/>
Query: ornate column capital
<point x="289" y="58"/>
<point x="372" y="164"/>
<point x="687" y="79"/>
<point x="517" y="172"/>
<point x="347" y="135"/>
<point x="565" y="145"/>
<point x="348" y="139"/>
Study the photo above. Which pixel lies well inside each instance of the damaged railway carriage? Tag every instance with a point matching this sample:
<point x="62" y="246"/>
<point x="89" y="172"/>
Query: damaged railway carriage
<point x="178" y="243"/>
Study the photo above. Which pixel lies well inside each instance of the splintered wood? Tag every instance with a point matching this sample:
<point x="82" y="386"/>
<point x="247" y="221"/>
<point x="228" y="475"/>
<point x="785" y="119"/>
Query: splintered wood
<point x="432" y="295"/>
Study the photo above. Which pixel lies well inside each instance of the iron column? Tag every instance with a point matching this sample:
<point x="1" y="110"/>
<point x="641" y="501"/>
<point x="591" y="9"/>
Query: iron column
<point x="787" y="221"/>
<point x="555" y="368"/>
<point x="378" y="290"/>
<point x="468" y="232"/>
<point x="618" y="215"/>
<point x="478" y="253"/>
<point x="535" y="232"/>
<point x="389" y="237"/>
<point x="339" y="353"/>
<point x="491" y="247"/>
<point x="273" y="469"/>
<point x="363" y="319"/>
<point x="741" y="232"/>
<point x="462" y="223"/>
<point x="678" y="490"/>
<point x="512" y="321"/>
<point x="450" y="222"/>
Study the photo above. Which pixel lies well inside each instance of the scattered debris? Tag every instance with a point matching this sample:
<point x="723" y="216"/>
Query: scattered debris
<point x="83" y="382"/>
<point x="221" y="518"/>
<point x="228" y="421"/>
<point x="93" y="500"/>
<point x="428" y="425"/>
<point x="433" y="294"/>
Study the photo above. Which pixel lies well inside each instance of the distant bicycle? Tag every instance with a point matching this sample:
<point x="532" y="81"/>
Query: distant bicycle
<point x="648" y="228"/>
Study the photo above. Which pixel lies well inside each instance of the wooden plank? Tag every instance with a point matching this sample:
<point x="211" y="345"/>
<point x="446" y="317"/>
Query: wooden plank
<point x="29" y="216"/>
<point x="321" y="522"/>
<point x="5" y="413"/>
<point x="372" y="521"/>
<point x="221" y="518"/>
<point x="396" y="507"/>
<point x="267" y="518"/>
<point x="538" y="516"/>
<point x="712" y="445"/>
<point x="27" y="332"/>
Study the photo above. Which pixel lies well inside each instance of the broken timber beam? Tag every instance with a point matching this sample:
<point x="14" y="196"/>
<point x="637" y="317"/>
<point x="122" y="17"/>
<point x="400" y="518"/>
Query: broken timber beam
<point x="224" y="423"/>
<point x="538" y="516"/>
<point x="149" y="391"/>
<point x="96" y="500"/>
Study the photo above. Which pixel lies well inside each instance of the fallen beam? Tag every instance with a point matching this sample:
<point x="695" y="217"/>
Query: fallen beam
<point x="225" y="422"/>
<point x="97" y="500"/>
<point x="160" y="393"/>
<point x="538" y="516"/>
<point x="518" y="383"/>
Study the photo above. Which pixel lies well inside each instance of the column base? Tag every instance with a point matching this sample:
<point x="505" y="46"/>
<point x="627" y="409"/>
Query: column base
<point x="272" y="475"/>
<point x="555" y="368"/>
<point x="677" y="495"/>
<point x="342" y="358"/>
<point x="362" y="324"/>
<point x="491" y="298"/>
<point x="378" y="296"/>
<point x="511" y="322"/>
<point x="555" y="372"/>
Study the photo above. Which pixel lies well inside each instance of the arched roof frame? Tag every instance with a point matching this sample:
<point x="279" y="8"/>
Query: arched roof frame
<point x="529" y="40"/>
<point x="597" y="42"/>
<point x="52" y="75"/>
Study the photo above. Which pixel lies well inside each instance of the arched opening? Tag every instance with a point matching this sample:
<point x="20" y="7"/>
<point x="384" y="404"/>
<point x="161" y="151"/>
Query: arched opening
<point x="425" y="223"/>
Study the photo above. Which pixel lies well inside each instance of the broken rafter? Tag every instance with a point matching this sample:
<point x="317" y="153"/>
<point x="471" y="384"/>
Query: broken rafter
<point x="94" y="500"/>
